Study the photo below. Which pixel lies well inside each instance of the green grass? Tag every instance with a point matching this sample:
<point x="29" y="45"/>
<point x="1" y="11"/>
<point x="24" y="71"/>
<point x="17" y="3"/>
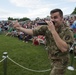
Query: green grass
<point x="26" y="54"/>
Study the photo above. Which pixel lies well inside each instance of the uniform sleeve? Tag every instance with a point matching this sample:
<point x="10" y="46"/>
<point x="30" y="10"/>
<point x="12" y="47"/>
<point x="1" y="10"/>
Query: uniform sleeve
<point x="40" y="30"/>
<point x="68" y="37"/>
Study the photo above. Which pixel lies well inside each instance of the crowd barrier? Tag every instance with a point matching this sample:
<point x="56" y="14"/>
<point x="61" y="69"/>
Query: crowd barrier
<point x="5" y="57"/>
<point x="4" y="60"/>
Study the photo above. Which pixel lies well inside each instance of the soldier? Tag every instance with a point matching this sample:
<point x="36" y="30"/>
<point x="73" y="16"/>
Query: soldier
<point x="58" y="38"/>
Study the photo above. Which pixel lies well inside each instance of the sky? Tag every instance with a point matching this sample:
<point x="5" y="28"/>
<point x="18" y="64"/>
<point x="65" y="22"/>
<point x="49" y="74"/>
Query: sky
<point x="33" y="8"/>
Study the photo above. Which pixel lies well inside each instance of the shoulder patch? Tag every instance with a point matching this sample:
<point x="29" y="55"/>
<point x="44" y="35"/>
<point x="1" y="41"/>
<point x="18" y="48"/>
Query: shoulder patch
<point x="67" y="37"/>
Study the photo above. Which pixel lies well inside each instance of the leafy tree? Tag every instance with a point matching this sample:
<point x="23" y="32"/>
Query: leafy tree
<point x="24" y="19"/>
<point x="21" y="19"/>
<point x="10" y="18"/>
<point x="74" y="12"/>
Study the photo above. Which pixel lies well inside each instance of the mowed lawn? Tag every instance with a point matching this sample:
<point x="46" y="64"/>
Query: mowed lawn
<point x="27" y="55"/>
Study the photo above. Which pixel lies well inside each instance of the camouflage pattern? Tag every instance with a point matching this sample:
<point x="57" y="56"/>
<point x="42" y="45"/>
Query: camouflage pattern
<point x="59" y="59"/>
<point x="58" y="67"/>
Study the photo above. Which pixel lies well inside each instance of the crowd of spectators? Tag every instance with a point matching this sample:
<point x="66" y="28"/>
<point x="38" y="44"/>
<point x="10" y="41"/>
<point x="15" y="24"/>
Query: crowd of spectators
<point x="7" y="28"/>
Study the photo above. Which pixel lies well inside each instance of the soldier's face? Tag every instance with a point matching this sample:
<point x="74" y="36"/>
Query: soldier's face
<point x="56" y="18"/>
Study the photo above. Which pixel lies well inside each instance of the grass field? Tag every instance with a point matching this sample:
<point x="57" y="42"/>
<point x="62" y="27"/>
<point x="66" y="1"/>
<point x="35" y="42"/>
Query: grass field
<point x="27" y="55"/>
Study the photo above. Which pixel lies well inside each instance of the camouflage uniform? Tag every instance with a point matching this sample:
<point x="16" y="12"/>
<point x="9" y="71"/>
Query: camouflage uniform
<point x="59" y="60"/>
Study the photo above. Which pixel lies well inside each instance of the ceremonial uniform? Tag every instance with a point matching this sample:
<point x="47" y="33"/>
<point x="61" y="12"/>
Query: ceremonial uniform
<point x="59" y="60"/>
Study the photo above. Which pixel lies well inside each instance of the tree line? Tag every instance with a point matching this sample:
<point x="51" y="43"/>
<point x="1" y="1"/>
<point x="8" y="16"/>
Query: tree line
<point x="25" y="18"/>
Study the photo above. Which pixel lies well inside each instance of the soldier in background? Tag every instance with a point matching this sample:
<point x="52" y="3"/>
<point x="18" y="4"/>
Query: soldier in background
<point x="58" y="38"/>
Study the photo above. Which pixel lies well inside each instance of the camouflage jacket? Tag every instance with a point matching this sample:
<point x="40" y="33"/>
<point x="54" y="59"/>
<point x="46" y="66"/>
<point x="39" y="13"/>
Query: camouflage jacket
<point x="65" y="34"/>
